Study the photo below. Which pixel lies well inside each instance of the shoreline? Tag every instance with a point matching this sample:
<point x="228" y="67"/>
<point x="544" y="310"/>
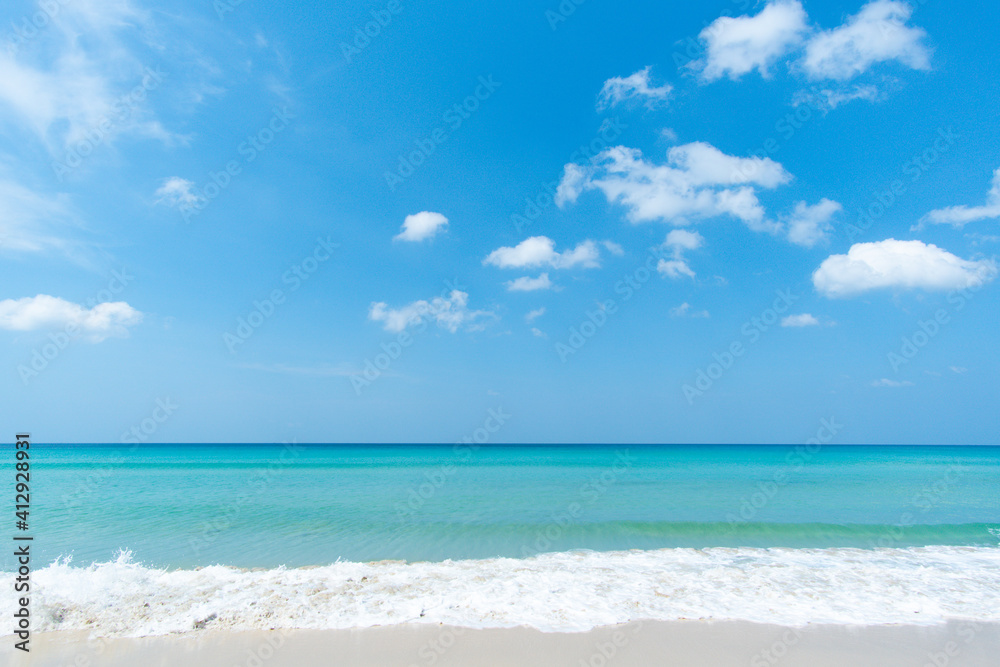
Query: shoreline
<point x="704" y="643"/>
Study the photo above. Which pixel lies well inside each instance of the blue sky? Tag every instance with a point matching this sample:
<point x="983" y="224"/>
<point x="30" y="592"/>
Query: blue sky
<point x="642" y="223"/>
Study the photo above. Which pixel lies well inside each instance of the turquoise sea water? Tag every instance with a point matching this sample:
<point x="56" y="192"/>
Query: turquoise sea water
<point x="262" y="506"/>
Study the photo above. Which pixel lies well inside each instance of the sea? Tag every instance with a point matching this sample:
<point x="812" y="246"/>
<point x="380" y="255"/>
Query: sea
<point x="142" y="540"/>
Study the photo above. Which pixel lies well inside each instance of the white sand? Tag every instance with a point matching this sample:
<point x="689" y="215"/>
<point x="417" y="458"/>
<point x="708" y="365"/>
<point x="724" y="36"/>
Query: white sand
<point x="688" y="643"/>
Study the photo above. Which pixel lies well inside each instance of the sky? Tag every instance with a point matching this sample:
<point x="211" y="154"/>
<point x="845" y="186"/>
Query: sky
<point x="529" y="222"/>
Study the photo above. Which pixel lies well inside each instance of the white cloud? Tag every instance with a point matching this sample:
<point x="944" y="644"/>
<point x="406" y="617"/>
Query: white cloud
<point x="683" y="239"/>
<point x="44" y="312"/>
<point x="64" y="89"/>
<point x="885" y="382"/>
<point x="877" y="33"/>
<point x="674" y="268"/>
<point x="959" y="369"/>
<point x="421" y="226"/>
<point x="803" y="320"/>
<point x="526" y="284"/>
<point x="698" y="181"/>
<point x="450" y="313"/>
<point x="613" y="248"/>
<point x="809" y="225"/>
<point x="679" y="240"/>
<point x="633" y="87"/>
<point x="538" y="333"/>
<point x="534" y="314"/>
<point x="899" y="265"/>
<point x="828" y="99"/>
<point x="684" y="310"/>
<point x="978" y="239"/>
<point x="177" y="192"/>
<point x="540" y="251"/>
<point x="736" y="46"/>
<point x="959" y="216"/>
<point x="704" y="164"/>
<point x="573" y="182"/>
<point x="668" y="134"/>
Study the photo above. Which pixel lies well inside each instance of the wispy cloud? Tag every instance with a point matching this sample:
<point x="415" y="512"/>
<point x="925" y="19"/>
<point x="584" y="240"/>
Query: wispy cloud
<point x="177" y="192"/>
<point x="635" y="87"/>
<point x="885" y="382"/>
<point x="313" y="371"/>
<point x="534" y="314"/>
<point x="803" y="320"/>
<point x="959" y="216"/>
<point x="684" y="310"/>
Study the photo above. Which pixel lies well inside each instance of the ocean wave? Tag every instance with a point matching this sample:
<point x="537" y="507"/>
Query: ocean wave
<point x="571" y="591"/>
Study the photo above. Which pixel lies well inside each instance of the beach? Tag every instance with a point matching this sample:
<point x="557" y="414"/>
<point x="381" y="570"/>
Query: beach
<point x="703" y="643"/>
<point x="581" y="555"/>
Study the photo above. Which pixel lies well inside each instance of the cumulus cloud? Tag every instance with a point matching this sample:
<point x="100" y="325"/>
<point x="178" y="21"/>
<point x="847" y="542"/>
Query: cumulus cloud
<point x="451" y="313"/>
<point x="44" y="312"/>
<point x="697" y="181"/>
<point x="809" y="225"/>
<point x="682" y="239"/>
<point x="877" y="33"/>
<point x="538" y="333"/>
<point x="803" y="320"/>
<point x="527" y="284"/>
<point x="898" y="265"/>
<point x="177" y="192"/>
<point x="421" y="226"/>
<point x="781" y="32"/>
<point x="540" y="251"/>
<point x="679" y="240"/>
<point x="633" y="87"/>
<point x="959" y="216"/>
<point x="736" y="46"/>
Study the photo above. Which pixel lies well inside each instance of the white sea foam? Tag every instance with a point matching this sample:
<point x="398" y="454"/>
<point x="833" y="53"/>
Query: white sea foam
<point x="552" y="592"/>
